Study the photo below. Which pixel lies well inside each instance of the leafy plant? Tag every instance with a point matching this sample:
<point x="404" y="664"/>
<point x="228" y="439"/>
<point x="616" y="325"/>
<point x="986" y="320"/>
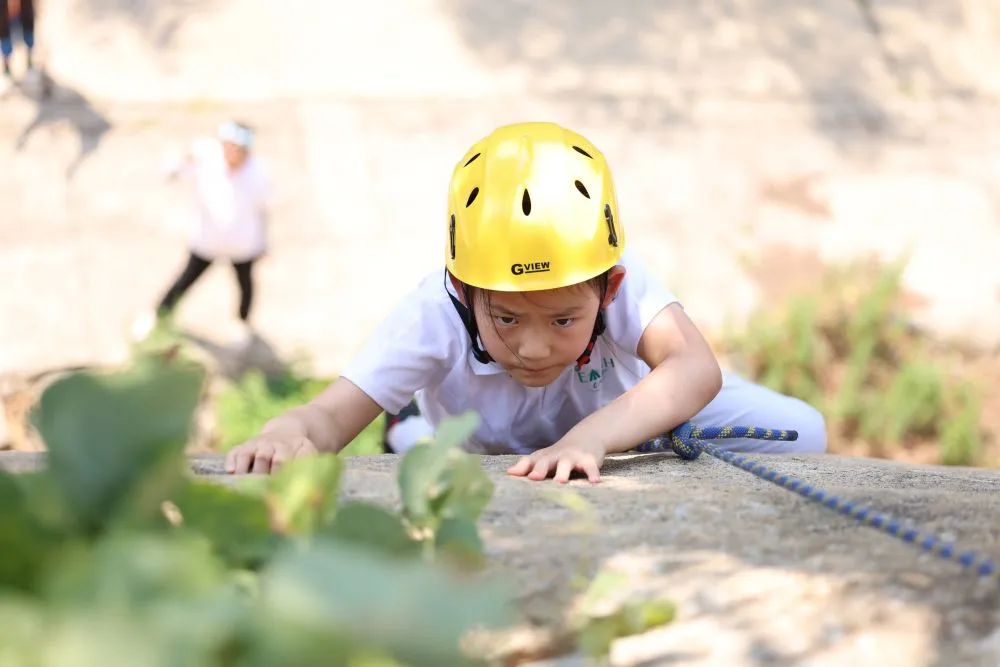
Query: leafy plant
<point x="848" y="350"/>
<point x="115" y="554"/>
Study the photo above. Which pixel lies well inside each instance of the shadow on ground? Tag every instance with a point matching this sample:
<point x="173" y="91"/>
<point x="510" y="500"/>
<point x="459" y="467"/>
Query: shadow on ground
<point x="831" y="57"/>
<point x="157" y="21"/>
<point x="59" y="105"/>
<point x="234" y="360"/>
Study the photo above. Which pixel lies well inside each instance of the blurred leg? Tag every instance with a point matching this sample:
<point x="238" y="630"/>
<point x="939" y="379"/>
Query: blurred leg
<point x="744" y="403"/>
<point x="192" y="271"/>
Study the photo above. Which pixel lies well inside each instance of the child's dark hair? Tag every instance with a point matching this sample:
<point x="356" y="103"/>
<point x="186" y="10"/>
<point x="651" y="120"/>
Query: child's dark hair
<point x="472" y="295"/>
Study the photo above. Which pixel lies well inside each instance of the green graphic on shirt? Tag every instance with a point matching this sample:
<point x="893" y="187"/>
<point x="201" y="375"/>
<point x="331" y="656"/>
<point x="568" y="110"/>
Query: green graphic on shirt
<point x="593" y="377"/>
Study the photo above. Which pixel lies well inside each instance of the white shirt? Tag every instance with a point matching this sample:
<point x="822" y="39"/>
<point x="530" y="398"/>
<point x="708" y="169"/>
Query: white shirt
<point x="228" y="221"/>
<point x="422" y="349"/>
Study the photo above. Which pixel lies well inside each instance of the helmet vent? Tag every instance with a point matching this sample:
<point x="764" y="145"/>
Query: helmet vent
<point x="451" y="236"/>
<point x="526" y="203"/>
<point x="582" y="189"/>
<point x="578" y="150"/>
<point x="472" y="197"/>
<point x="472" y="159"/>
<point x="610" y="219"/>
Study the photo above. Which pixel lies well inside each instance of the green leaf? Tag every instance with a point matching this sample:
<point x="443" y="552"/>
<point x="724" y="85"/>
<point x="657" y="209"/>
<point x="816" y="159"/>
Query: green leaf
<point x="652" y="613"/>
<point x="372" y="526"/>
<point x="104" y="432"/>
<point x="419" y="471"/>
<point x="154" y="601"/>
<point x="596" y="637"/>
<point x="633" y="617"/>
<point x="131" y="571"/>
<point x="458" y="541"/>
<point x="608" y="610"/>
<point x="236" y="523"/>
<point x="302" y="494"/>
<point x="24" y="545"/>
<point x="422" y="483"/>
<point x="467" y="489"/>
<point x="604" y="591"/>
<point x="413" y="611"/>
<point x="22" y="630"/>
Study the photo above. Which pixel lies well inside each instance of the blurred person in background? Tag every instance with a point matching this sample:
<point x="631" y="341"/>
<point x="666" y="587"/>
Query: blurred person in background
<point x="229" y="220"/>
<point x="17" y="14"/>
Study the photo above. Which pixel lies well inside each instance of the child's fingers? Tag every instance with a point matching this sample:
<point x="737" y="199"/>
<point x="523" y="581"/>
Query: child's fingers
<point x="281" y="456"/>
<point x="262" y="459"/>
<point x="592" y="468"/>
<point x="230" y="464"/>
<point x="242" y="460"/>
<point x="541" y="469"/>
<point x="520" y="468"/>
<point x="564" y="468"/>
<point x="585" y="463"/>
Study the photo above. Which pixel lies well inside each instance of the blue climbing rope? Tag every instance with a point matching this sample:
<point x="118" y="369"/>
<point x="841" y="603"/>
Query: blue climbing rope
<point x="689" y="441"/>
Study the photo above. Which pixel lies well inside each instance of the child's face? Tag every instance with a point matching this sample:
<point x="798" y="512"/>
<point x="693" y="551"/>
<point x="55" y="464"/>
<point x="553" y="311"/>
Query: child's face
<point x="235" y="154"/>
<point x="534" y="336"/>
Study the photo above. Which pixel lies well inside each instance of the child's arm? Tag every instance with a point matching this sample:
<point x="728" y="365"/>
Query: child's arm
<point x="181" y="165"/>
<point x="328" y="423"/>
<point x="412" y="348"/>
<point x="685" y="377"/>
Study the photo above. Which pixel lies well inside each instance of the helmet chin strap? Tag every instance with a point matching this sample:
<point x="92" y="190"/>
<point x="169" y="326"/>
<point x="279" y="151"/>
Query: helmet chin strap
<point x="469" y="320"/>
<point x="599" y="327"/>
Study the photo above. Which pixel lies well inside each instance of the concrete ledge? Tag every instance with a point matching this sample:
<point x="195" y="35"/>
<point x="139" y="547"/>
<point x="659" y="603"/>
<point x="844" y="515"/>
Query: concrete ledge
<point x="761" y="576"/>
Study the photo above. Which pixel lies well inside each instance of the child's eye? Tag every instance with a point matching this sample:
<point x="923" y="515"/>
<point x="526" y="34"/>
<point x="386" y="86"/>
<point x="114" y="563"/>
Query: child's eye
<point x="564" y="322"/>
<point x="506" y="320"/>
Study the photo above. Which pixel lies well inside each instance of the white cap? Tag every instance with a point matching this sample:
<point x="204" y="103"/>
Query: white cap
<point x="235" y="133"/>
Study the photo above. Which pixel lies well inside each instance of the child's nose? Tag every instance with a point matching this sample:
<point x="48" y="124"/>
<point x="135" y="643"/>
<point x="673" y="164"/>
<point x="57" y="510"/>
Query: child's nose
<point x="533" y="347"/>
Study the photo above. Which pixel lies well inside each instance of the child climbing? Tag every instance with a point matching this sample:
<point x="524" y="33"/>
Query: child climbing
<point x="543" y="324"/>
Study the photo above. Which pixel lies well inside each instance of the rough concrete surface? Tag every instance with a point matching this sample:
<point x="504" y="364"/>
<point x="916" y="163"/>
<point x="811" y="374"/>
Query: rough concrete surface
<point x="750" y="142"/>
<point x="760" y="575"/>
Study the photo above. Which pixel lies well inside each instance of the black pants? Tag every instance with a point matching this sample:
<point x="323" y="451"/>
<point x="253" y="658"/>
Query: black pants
<point x="27" y="26"/>
<point x="195" y="267"/>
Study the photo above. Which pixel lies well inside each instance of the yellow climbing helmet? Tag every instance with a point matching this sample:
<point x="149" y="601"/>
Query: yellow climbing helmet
<point x="532" y="206"/>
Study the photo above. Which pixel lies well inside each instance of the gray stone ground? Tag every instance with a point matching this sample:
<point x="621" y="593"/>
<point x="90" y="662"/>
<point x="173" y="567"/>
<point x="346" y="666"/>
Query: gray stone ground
<point x="761" y="576"/>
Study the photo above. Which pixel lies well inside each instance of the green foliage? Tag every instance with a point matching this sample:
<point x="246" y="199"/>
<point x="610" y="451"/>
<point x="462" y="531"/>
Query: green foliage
<point x="847" y="349"/>
<point x="444" y="491"/>
<point x="606" y="612"/>
<point x="115" y="555"/>
<point x="242" y="408"/>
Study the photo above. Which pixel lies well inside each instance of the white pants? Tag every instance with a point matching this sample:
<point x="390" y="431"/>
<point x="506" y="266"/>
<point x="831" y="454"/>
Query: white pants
<point x="745" y="403"/>
<point x="739" y="403"/>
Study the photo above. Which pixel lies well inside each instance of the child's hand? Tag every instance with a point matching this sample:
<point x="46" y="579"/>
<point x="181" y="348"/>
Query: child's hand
<point x="563" y="458"/>
<point x="265" y="454"/>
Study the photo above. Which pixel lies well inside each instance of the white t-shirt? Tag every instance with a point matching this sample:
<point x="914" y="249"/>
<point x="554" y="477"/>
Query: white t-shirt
<point x="422" y="349"/>
<point x="228" y="221"/>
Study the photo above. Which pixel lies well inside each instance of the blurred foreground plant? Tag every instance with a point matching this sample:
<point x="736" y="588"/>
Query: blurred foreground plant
<point x="114" y="554"/>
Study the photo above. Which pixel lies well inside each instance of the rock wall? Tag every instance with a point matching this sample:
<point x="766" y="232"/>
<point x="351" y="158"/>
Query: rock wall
<point x="750" y="142"/>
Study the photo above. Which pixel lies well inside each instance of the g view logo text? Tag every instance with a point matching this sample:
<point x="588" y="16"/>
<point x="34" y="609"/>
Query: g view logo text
<point x="530" y="267"/>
